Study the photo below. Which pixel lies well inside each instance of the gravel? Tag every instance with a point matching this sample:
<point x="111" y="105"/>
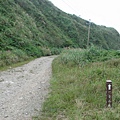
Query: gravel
<point x="24" y="89"/>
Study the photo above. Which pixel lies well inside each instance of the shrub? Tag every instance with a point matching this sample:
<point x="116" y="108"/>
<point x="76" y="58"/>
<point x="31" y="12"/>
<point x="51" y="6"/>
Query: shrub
<point x="33" y="51"/>
<point x="21" y="54"/>
<point x="7" y="57"/>
<point x="56" y="51"/>
<point x="46" y="51"/>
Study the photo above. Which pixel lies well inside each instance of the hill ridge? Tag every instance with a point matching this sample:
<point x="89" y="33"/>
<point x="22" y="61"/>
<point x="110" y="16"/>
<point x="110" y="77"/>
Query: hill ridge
<point x="37" y="27"/>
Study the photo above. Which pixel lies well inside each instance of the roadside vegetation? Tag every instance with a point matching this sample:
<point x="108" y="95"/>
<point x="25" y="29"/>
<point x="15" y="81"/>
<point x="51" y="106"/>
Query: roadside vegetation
<point x="14" y="65"/>
<point x="35" y="28"/>
<point x="78" y="86"/>
<point x="17" y="56"/>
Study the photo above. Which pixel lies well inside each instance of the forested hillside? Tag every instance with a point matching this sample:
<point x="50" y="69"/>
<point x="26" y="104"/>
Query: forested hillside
<point x="37" y="27"/>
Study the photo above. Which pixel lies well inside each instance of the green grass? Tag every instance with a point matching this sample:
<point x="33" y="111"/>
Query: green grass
<point x="16" y="64"/>
<point x="79" y="92"/>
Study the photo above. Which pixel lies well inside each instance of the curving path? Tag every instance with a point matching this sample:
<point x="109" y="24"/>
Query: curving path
<point x="23" y="89"/>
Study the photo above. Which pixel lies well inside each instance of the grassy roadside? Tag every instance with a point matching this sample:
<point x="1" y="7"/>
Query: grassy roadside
<point x="78" y="90"/>
<point x="17" y="57"/>
<point x="16" y="64"/>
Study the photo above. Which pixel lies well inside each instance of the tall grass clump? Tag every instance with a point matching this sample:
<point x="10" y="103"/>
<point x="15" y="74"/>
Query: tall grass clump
<point x="12" y="56"/>
<point x="93" y="54"/>
<point x="79" y="92"/>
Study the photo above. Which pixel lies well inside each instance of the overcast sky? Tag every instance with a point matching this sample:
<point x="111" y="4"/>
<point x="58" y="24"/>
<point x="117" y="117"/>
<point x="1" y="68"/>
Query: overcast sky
<point x="101" y="12"/>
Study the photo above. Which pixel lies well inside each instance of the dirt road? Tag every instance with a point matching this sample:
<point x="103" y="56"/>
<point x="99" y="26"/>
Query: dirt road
<point x="23" y="89"/>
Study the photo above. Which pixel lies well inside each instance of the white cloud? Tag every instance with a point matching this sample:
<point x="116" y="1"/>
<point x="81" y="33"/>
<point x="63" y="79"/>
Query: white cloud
<point x="102" y="12"/>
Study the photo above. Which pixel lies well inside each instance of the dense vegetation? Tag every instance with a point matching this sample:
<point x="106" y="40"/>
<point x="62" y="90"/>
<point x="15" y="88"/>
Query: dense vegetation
<point x="33" y="28"/>
<point x="78" y="91"/>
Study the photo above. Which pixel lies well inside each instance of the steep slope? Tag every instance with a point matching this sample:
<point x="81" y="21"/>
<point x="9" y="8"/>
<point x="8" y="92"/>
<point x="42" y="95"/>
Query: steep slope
<point x="76" y="28"/>
<point x="37" y="27"/>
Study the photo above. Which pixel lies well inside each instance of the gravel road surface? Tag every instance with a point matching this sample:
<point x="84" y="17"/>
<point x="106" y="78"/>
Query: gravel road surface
<point x="24" y="89"/>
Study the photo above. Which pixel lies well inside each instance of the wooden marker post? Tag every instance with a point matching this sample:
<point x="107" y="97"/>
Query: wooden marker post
<point x="109" y="93"/>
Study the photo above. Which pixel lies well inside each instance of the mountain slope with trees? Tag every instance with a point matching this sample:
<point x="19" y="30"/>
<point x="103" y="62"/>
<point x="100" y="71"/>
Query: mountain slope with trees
<point x="36" y="27"/>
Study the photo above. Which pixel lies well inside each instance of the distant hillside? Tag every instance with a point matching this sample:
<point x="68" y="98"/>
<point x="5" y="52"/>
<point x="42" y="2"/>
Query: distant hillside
<point x="37" y="27"/>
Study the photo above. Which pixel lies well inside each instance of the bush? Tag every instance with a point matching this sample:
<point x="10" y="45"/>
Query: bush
<point x="12" y="56"/>
<point x="46" y="51"/>
<point x="56" y="51"/>
<point x="33" y="51"/>
<point x="7" y="57"/>
<point x="20" y="54"/>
